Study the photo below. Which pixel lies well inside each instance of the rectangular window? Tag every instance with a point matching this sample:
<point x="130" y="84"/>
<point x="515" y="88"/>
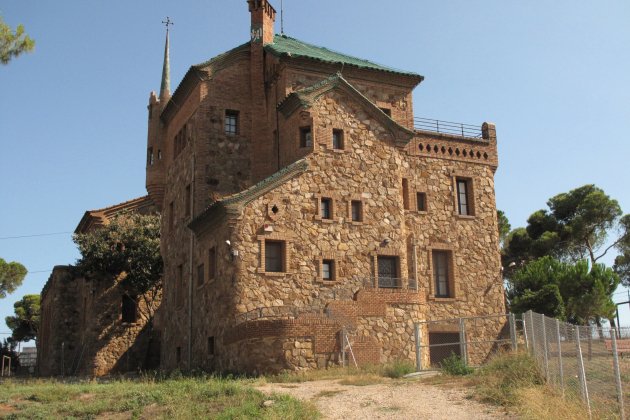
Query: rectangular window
<point x="306" y="137"/>
<point x="337" y="139"/>
<point x="129" y="310"/>
<point x="231" y="122"/>
<point x="325" y="208"/>
<point x="328" y="270"/>
<point x="463" y="204"/>
<point x="405" y="193"/>
<point x="178" y="354"/>
<point x="201" y="278"/>
<point x="179" y="286"/>
<point x="421" y="200"/>
<point x="188" y="200"/>
<point x="441" y="273"/>
<point x="210" y="346"/>
<point x="171" y="215"/>
<point x="356" y="210"/>
<point x="150" y="158"/>
<point x="274" y="256"/>
<point x="387" y="271"/>
<point x="212" y="263"/>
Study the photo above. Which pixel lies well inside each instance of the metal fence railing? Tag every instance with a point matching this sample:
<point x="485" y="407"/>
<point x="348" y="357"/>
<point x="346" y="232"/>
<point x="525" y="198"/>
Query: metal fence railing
<point x="383" y="282"/>
<point x="447" y="127"/>
<point x="582" y="362"/>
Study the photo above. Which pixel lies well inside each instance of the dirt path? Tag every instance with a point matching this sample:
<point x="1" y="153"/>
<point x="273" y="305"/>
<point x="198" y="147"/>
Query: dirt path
<point x="388" y="400"/>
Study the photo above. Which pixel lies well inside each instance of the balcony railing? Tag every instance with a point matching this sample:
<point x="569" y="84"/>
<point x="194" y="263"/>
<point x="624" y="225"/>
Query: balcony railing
<point x="447" y="127"/>
<point x="390" y="283"/>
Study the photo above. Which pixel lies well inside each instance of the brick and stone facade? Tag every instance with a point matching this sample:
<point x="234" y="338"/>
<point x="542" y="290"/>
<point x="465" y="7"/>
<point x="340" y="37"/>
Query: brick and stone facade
<point x="83" y="330"/>
<point x="246" y="163"/>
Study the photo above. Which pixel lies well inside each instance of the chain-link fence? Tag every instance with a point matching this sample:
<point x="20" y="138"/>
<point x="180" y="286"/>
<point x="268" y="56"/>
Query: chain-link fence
<point x="473" y="339"/>
<point x="582" y="362"/>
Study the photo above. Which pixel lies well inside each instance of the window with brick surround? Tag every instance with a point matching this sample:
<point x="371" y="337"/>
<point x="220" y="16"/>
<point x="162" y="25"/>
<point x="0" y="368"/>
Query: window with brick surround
<point x="306" y="137"/>
<point x="337" y="139"/>
<point x="212" y="263"/>
<point x="356" y="210"/>
<point x="188" y="200"/>
<point x="274" y="256"/>
<point x="442" y="276"/>
<point x="211" y="346"/>
<point x="421" y="201"/>
<point x="328" y="270"/>
<point x="464" y="196"/>
<point x="326" y="208"/>
<point x="201" y="275"/>
<point x="388" y="269"/>
<point x="231" y="122"/>
<point x="405" y="193"/>
<point x="179" y="286"/>
<point x="129" y="309"/>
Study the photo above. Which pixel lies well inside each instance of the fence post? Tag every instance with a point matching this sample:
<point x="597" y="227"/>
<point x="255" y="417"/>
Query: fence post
<point x="581" y="373"/>
<point x="545" y="354"/>
<point x="416" y="333"/>
<point x="560" y="356"/>
<point x="462" y="341"/>
<point x="590" y="342"/>
<point x="533" y="338"/>
<point x="525" y="324"/>
<point x="513" y="332"/>
<point x="343" y="346"/>
<point x="613" y="336"/>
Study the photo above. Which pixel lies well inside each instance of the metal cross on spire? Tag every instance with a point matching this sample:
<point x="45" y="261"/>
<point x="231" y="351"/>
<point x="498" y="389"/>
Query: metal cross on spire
<point x="167" y="22"/>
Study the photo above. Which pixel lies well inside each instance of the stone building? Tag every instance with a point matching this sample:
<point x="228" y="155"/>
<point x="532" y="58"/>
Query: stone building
<point x="305" y="208"/>
<point x="89" y="325"/>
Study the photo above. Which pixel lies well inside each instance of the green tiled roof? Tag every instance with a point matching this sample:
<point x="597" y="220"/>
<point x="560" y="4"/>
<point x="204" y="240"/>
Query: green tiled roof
<point x="283" y="45"/>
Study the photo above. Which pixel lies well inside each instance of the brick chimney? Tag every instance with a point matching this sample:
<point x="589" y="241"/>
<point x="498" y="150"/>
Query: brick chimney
<point x="263" y="18"/>
<point x="263" y="159"/>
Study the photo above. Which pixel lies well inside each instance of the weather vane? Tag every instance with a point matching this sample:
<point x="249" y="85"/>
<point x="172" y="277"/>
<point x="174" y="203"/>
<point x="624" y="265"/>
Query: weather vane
<point x="167" y="22"/>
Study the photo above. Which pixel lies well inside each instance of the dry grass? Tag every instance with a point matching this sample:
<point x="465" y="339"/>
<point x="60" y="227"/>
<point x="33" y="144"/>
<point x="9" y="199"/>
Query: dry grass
<point x="544" y="403"/>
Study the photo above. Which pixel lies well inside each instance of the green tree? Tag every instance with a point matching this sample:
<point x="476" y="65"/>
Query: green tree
<point x="576" y="292"/>
<point x="622" y="261"/>
<point x="504" y="226"/>
<point x="128" y="248"/>
<point x="11" y="276"/>
<point x="13" y="43"/>
<point x="577" y="226"/>
<point x="25" y="324"/>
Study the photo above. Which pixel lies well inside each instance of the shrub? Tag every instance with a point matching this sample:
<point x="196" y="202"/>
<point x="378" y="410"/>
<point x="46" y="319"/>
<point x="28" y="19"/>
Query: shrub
<point x="454" y="365"/>
<point x="398" y="369"/>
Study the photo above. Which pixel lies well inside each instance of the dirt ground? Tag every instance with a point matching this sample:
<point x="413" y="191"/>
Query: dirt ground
<point x="387" y="400"/>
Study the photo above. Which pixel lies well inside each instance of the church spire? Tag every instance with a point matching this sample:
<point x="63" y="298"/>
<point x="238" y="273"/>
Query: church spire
<point x="165" y="87"/>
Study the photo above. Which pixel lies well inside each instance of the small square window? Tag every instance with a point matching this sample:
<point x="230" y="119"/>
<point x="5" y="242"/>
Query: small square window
<point x="421" y="200"/>
<point x="356" y="210"/>
<point x="328" y="270"/>
<point x="326" y="208"/>
<point x="200" y="274"/>
<point x="337" y="140"/>
<point x="306" y="137"/>
<point x="387" y="111"/>
<point x="212" y="263"/>
<point x="274" y="256"/>
<point x="231" y="122"/>
<point x="210" y="346"/>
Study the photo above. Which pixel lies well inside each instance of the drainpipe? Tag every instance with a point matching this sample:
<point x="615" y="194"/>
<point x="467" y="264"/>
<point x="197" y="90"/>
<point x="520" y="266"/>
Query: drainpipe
<point x="190" y="265"/>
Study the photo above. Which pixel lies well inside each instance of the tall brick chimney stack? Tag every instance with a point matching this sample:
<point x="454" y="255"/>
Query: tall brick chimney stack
<point x="263" y="159"/>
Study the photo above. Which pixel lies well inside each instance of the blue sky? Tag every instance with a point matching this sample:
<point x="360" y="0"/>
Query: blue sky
<point x="554" y="76"/>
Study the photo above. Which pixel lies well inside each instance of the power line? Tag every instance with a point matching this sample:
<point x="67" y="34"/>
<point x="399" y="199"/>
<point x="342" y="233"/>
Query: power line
<point x="35" y="235"/>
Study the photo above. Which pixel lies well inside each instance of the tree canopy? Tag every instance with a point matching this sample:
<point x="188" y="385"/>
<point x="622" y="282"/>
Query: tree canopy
<point x="128" y="248"/>
<point x="25" y="324"/>
<point x="504" y="226"/>
<point x="11" y="276"/>
<point x="573" y="292"/>
<point x="13" y="43"/>
<point x="584" y="223"/>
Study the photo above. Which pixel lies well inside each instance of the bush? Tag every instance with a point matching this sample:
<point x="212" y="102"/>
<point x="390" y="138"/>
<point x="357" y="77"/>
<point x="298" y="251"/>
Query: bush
<point x="398" y="369"/>
<point x="454" y="365"/>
